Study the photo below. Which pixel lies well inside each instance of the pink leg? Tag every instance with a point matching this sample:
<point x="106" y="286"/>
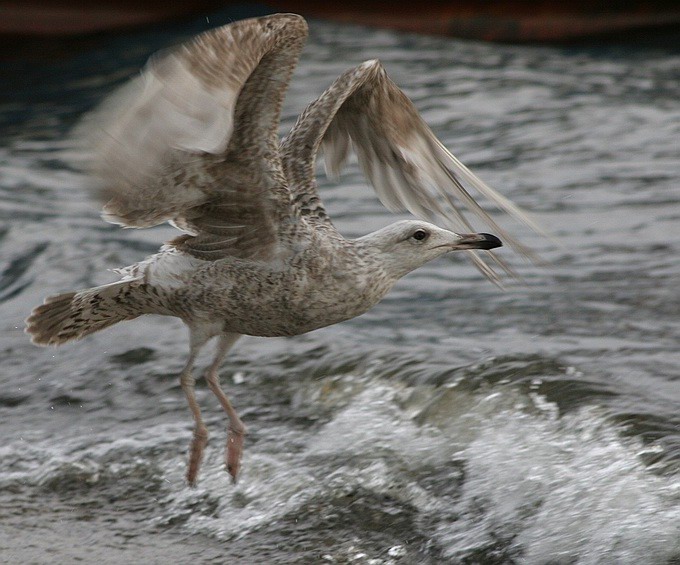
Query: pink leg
<point x="200" y="439"/>
<point x="236" y="429"/>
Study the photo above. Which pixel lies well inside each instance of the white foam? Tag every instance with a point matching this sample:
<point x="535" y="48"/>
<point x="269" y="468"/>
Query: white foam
<point x="555" y="488"/>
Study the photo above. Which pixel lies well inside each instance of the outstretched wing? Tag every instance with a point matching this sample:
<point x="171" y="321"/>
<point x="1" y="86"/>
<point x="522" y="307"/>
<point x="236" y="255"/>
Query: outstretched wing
<point x="407" y="165"/>
<point x="194" y="139"/>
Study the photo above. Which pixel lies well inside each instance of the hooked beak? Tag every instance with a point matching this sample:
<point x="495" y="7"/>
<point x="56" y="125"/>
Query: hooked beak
<point x="476" y="241"/>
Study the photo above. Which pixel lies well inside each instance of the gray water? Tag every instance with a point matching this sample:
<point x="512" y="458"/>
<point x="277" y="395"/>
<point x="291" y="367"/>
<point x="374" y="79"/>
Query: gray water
<point x="454" y="423"/>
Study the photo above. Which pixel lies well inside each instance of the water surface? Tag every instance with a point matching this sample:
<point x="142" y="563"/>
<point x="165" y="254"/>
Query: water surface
<point x="454" y="423"/>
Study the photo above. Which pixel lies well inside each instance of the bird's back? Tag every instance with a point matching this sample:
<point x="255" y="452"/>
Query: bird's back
<point x="320" y="279"/>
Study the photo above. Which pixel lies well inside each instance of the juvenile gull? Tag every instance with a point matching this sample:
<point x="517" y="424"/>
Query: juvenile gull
<point x="194" y="141"/>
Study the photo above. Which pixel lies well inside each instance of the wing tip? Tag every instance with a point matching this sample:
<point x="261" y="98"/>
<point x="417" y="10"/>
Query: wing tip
<point x="371" y="65"/>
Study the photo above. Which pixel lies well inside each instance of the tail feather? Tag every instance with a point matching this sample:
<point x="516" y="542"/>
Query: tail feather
<point x="73" y="315"/>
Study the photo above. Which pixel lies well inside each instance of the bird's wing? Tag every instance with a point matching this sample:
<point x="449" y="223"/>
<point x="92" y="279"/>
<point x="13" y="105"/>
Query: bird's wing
<point x="408" y="166"/>
<point x="194" y="139"/>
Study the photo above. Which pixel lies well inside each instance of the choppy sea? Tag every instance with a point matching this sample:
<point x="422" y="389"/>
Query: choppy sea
<point x="454" y="422"/>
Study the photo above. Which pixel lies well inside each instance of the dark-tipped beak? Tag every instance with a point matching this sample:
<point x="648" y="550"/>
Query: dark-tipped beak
<point x="478" y="241"/>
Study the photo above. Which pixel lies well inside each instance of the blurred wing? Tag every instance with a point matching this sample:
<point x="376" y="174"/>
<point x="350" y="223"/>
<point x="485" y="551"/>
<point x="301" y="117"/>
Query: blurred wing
<point x="194" y="138"/>
<point x="407" y="165"/>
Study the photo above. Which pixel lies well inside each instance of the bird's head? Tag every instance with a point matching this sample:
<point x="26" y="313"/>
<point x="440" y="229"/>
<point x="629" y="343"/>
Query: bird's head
<point x="407" y="245"/>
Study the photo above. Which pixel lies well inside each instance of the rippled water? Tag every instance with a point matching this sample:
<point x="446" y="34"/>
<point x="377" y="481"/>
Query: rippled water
<point x="454" y="423"/>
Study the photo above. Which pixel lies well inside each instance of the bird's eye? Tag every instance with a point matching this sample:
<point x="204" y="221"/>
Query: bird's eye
<point x="420" y="235"/>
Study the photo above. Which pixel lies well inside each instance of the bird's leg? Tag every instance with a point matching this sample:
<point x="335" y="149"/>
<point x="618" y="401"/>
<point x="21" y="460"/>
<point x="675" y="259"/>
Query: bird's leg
<point x="236" y="430"/>
<point x="200" y="438"/>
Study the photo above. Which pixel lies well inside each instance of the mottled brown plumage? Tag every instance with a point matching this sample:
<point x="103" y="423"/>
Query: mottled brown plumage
<point x="194" y="141"/>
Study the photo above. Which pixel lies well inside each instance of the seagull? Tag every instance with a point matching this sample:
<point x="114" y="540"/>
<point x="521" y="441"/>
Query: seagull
<point x="193" y="140"/>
